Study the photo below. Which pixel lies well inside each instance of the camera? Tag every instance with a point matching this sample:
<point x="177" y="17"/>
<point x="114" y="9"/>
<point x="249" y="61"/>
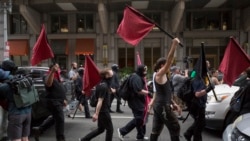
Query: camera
<point x="187" y="59"/>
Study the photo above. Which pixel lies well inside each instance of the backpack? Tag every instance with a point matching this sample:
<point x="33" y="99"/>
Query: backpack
<point x="93" y="98"/>
<point x="186" y="92"/>
<point x="237" y="100"/>
<point x="124" y="90"/>
<point x="25" y="93"/>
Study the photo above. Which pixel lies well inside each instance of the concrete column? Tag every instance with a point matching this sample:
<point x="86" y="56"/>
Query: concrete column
<point x="103" y="16"/>
<point x="176" y="15"/>
<point x="32" y="17"/>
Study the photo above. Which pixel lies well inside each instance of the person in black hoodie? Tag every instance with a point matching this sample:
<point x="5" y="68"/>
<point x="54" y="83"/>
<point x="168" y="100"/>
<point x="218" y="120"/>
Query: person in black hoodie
<point x="80" y="95"/>
<point x="245" y="106"/>
<point x="137" y="104"/>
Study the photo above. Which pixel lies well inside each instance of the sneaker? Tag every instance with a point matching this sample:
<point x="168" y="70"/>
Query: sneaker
<point x="119" y="111"/>
<point x="187" y="137"/>
<point x="144" y="139"/>
<point x="120" y="135"/>
<point x="180" y="117"/>
<point x="111" y="111"/>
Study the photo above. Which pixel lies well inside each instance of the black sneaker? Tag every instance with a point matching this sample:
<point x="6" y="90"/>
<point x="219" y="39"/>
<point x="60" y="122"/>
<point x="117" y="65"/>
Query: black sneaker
<point x="119" y="111"/>
<point x="180" y="117"/>
<point x="187" y="137"/>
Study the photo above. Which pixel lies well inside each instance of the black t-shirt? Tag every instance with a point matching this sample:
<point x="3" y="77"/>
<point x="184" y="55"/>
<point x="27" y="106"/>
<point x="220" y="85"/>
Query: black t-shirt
<point x="136" y="83"/>
<point x="102" y="91"/>
<point x="56" y="91"/>
<point x="246" y="99"/>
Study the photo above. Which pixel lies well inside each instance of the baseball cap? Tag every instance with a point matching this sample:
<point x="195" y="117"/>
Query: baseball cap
<point x="173" y="68"/>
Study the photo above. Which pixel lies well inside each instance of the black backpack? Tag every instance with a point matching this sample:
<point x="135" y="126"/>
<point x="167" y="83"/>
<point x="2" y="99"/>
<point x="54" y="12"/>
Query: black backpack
<point x="93" y="98"/>
<point x="124" y="90"/>
<point x="237" y="99"/>
<point x="186" y="92"/>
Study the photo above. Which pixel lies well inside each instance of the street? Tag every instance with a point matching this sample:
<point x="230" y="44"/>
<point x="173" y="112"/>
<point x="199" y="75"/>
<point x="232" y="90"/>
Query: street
<point x="79" y="126"/>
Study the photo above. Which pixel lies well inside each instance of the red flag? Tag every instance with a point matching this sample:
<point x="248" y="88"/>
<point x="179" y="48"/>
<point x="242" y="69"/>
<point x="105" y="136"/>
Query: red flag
<point x="234" y="62"/>
<point x="91" y="75"/>
<point x="134" y="26"/>
<point x="41" y="49"/>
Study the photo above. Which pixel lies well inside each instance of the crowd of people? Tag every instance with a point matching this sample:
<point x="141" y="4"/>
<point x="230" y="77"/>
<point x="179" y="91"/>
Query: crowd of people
<point x="165" y="105"/>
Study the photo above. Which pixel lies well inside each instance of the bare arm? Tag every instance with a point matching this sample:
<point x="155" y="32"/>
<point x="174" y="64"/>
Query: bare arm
<point x="49" y="79"/>
<point x="98" y="108"/>
<point x="170" y="57"/>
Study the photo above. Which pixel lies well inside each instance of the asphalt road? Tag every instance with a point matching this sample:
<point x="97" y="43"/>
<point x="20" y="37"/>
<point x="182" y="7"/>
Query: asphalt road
<point x="80" y="126"/>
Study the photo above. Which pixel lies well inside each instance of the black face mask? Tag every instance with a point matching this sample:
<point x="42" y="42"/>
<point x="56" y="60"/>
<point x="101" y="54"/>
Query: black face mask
<point x="108" y="81"/>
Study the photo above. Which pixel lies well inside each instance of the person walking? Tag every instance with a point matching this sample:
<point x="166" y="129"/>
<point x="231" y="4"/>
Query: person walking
<point x="115" y="85"/>
<point x="198" y="107"/>
<point x="73" y="75"/>
<point x="162" y="102"/>
<point x="56" y="99"/>
<point x="137" y="104"/>
<point x="177" y="82"/>
<point x="80" y="95"/>
<point x="19" y="119"/>
<point x="102" y="115"/>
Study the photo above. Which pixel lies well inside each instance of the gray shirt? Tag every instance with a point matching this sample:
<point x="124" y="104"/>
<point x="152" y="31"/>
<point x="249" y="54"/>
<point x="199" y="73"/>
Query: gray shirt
<point x="177" y="81"/>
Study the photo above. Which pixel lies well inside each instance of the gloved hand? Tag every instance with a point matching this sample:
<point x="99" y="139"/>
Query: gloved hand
<point x="210" y="87"/>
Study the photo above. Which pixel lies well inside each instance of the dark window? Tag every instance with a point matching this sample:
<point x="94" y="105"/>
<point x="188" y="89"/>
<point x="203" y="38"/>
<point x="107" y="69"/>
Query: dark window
<point x="85" y="23"/>
<point x="209" y="20"/>
<point x="59" y="23"/>
<point x="18" y="24"/>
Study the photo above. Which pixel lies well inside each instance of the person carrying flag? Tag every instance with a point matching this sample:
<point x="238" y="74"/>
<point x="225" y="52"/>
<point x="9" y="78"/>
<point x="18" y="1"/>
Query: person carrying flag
<point x="102" y="115"/>
<point x="200" y="89"/>
<point x="162" y="102"/>
<point x="137" y="104"/>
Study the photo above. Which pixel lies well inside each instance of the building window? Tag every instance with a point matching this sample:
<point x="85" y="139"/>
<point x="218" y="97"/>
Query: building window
<point x="155" y="17"/>
<point x="85" y="23"/>
<point x="126" y="58"/>
<point x="18" y="25"/>
<point x="59" y="24"/>
<point x="151" y="54"/>
<point x="209" y="20"/>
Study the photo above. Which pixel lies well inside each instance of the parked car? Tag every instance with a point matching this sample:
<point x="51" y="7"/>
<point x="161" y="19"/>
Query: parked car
<point x="239" y="130"/>
<point x="217" y="111"/>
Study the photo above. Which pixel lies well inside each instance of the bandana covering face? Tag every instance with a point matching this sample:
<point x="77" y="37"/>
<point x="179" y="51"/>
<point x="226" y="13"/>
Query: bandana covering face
<point x="57" y="75"/>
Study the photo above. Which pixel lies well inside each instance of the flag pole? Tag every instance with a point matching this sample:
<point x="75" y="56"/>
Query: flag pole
<point x="151" y="21"/>
<point x="209" y="80"/>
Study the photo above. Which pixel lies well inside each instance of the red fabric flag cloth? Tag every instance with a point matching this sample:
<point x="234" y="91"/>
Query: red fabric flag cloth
<point x="134" y="26"/>
<point x="147" y="97"/>
<point x="41" y="49"/>
<point x="234" y="62"/>
<point x="91" y="75"/>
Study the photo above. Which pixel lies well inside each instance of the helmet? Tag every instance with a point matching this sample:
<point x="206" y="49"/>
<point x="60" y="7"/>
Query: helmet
<point x="115" y="67"/>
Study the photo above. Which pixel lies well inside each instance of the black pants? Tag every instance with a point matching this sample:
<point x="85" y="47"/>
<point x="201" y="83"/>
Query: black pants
<point x="198" y="125"/>
<point x="136" y="122"/>
<point x="118" y="98"/>
<point x="164" y="115"/>
<point x="84" y="101"/>
<point x="56" y="109"/>
<point x="104" y="123"/>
